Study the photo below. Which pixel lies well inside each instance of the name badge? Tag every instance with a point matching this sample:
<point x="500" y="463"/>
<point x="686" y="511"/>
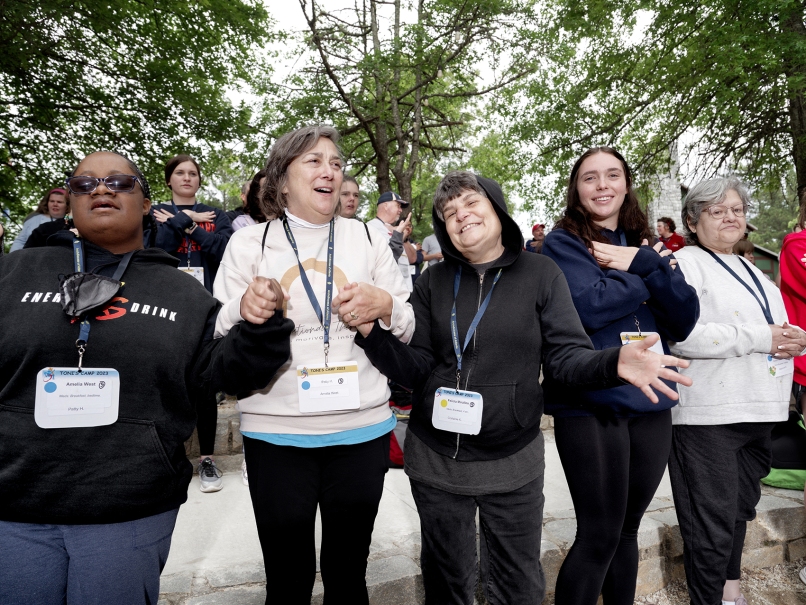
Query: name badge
<point x="780" y="367"/>
<point x="67" y="398"/>
<point x="197" y="272"/>
<point x="328" y="388"/>
<point x="630" y="337"/>
<point x="457" y="411"/>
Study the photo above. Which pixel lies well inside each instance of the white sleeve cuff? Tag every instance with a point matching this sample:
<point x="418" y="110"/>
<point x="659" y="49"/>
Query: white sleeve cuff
<point x="228" y="316"/>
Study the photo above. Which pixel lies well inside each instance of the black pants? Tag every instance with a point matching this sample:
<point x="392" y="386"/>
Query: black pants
<point x="206" y="421"/>
<point x="613" y="468"/>
<point x="716" y="473"/>
<point x="511" y="526"/>
<point x="286" y="484"/>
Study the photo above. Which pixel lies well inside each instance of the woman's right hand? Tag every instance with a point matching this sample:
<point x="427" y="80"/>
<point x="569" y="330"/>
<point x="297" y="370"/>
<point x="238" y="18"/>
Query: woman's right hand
<point x="261" y="299"/>
<point x="787" y="341"/>
<point x="201" y="217"/>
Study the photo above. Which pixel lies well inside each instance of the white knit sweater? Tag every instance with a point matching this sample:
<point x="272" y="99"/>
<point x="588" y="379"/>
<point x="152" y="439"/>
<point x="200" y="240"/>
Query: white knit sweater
<point x="728" y="347"/>
<point x="275" y="409"/>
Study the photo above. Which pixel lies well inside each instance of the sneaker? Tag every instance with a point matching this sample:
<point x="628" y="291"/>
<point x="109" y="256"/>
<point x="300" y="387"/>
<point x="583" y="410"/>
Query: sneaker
<point x="244" y="476"/>
<point x="740" y="600"/>
<point x="210" y="476"/>
<point x="803" y="575"/>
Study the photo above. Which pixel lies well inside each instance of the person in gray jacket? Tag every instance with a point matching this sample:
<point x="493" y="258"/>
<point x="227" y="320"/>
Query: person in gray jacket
<point x="741" y="362"/>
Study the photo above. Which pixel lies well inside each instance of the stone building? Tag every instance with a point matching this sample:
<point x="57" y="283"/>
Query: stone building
<point x="668" y="200"/>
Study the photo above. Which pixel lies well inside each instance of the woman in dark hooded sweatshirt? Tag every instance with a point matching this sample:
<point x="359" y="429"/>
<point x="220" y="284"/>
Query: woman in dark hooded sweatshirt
<point x="486" y="319"/>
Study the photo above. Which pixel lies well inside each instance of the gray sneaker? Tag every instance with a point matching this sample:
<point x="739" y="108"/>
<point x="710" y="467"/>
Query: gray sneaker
<point x="210" y="476"/>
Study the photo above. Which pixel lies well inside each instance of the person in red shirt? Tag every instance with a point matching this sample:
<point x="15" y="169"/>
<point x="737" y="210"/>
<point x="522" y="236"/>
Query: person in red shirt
<point x="673" y="241"/>
<point x="793" y="290"/>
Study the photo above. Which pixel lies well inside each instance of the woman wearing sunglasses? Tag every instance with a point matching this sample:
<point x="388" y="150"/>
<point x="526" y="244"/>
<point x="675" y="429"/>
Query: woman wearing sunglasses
<point x="101" y="342"/>
<point x="197" y="235"/>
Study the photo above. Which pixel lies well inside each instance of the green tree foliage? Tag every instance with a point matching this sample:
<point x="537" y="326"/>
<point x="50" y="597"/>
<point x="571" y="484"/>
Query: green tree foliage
<point x="774" y="213"/>
<point x="143" y="77"/>
<point x="729" y="74"/>
<point x="407" y="84"/>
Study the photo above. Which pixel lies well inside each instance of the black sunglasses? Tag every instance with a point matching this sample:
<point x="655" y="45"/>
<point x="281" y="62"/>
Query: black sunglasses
<point x="84" y="185"/>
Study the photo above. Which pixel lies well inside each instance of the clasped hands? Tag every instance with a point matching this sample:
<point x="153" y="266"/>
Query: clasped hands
<point x="620" y="257"/>
<point x="358" y="305"/>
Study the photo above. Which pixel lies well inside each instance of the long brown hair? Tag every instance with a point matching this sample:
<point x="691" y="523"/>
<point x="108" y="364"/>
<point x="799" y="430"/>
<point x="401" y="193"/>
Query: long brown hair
<point x="577" y="220"/>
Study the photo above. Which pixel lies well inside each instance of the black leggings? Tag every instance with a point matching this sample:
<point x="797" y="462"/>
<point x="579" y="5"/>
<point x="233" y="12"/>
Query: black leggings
<point x="286" y="484"/>
<point x="613" y="468"/>
<point x="206" y="421"/>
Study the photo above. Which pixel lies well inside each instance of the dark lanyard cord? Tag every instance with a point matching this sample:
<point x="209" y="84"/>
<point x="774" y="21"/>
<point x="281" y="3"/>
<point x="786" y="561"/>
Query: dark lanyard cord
<point x="324" y="317"/>
<point x="765" y="308"/>
<point x="187" y="235"/>
<point x="473" y="325"/>
<point x="78" y="265"/>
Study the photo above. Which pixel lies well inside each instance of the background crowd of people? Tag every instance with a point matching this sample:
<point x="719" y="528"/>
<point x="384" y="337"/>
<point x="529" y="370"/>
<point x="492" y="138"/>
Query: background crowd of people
<point x="647" y="351"/>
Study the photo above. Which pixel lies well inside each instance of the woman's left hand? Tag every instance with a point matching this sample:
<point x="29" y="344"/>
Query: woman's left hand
<point x="614" y="257"/>
<point x="795" y="345"/>
<point x="643" y="368"/>
<point x="360" y="304"/>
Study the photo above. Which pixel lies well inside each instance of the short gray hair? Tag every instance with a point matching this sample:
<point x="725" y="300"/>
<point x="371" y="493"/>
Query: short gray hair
<point x="706" y="194"/>
<point x="288" y="148"/>
<point x="452" y="185"/>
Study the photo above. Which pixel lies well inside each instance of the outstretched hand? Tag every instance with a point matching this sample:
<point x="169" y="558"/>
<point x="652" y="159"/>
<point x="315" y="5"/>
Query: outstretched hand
<point x="261" y="299"/>
<point x="643" y="368"/>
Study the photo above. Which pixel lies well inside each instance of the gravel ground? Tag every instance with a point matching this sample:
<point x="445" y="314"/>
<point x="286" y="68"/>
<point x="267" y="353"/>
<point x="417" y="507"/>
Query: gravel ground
<point x="779" y="585"/>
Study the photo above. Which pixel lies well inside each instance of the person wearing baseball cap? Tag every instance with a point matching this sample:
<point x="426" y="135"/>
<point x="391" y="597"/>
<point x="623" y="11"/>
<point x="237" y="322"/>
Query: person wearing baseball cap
<point x="538" y="236"/>
<point x="390" y="207"/>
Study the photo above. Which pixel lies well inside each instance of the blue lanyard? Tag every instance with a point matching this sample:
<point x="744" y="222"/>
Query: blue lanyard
<point x="187" y="236"/>
<point x="78" y="266"/>
<point x="324" y="318"/>
<point x="473" y="325"/>
<point x="765" y="308"/>
<point x="623" y="239"/>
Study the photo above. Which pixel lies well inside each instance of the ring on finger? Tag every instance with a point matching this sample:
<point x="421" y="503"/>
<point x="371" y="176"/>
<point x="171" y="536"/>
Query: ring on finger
<point x="353" y="315"/>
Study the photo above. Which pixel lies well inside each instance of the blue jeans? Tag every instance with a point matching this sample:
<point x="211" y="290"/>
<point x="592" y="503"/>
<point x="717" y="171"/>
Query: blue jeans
<point x="84" y="564"/>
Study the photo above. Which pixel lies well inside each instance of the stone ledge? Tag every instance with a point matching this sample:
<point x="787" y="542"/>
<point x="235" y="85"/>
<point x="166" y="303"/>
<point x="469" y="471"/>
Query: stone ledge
<point x="777" y="535"/>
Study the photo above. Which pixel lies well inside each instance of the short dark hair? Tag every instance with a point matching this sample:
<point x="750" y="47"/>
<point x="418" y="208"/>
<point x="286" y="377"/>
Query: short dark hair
<point x="452" y="185"/>
<point x="577" y="220"/>
<point x="743" y="246"/>
<point x="669" y="223"/>
<point x="132" y="166"/>
<point x="348" y="178"/>
<point x="174" y="162"/>
<point x="252" y="206"/>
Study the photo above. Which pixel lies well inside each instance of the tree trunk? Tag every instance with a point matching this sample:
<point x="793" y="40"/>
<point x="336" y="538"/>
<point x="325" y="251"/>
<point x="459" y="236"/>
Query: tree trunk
<point x="793" y="27"/>
<point x="381" y="146"/>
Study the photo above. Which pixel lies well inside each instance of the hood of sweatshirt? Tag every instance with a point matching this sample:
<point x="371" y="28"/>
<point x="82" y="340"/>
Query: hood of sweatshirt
<point x="511" y="236"/>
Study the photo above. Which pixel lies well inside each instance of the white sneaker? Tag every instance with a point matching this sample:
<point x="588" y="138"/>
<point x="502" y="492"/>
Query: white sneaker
<point x="803" y="575"/>
<point x="209" y="476"/>
<point x="244" y="476"/>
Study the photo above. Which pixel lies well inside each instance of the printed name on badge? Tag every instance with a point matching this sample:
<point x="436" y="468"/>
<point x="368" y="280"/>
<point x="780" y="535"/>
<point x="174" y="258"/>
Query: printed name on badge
<point x="326" y="388"/>
<point x="67" y="398"/>
<point x="457" y="411"/>
<point x="630" y="337"/>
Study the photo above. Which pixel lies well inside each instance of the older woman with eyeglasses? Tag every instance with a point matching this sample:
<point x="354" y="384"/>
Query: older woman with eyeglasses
<point x="741" y="354"/>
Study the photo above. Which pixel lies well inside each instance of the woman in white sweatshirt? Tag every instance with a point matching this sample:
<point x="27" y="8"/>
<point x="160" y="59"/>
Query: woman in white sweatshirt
<point x="318" y="434"/>
<point x="741" y="362"/>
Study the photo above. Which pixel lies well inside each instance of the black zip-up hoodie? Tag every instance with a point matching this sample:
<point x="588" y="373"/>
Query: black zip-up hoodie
<point x="157" y="332"/>
<point x="530" y="319"/>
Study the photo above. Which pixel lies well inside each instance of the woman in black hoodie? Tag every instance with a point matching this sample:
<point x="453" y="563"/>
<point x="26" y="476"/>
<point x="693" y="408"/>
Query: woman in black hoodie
<point x="486" y="318"/>
<point x="100" y="344"/>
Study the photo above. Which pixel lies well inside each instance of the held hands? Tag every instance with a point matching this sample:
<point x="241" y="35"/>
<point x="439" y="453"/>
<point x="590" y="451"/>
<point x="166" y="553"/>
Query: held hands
<point x="787" y="341"/>
<point x="261" y="299"/>
<point x="621" y="257"/>
<point x="643" y="368"/>
<point x="360" y="304"/>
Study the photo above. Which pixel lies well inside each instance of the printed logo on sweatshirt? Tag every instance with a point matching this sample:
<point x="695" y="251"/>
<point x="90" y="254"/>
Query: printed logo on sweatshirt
<point x="194" y="246"/>
<point x="116" y="308"/>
